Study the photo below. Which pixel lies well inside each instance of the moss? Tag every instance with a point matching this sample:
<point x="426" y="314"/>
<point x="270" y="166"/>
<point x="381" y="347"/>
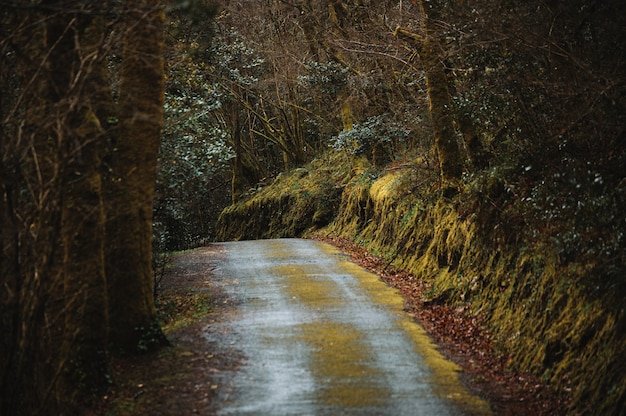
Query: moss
<point x="303" y="199"/>
<point x="178" y="310"/>
<point x="539" y="310"/>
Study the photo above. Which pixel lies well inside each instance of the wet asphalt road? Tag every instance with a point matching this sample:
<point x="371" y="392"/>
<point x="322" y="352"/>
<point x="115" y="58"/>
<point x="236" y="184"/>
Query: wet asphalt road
<point x="321" y="336"/>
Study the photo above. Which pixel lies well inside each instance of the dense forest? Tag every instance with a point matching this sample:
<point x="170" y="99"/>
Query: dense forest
<point x="478" y="144"/>
<point x="82" y="110"/>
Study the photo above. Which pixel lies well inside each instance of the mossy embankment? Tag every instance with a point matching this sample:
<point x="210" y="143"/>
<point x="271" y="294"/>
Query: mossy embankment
<point x="294" y="203"/>
<point x="537" y="305"/>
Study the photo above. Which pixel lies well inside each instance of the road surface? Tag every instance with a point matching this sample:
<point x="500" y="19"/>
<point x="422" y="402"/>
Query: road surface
<point x="321" y="336"/>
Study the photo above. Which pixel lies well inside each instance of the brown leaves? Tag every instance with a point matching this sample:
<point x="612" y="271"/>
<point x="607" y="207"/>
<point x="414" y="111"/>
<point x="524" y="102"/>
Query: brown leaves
<point x="463" y="338"/>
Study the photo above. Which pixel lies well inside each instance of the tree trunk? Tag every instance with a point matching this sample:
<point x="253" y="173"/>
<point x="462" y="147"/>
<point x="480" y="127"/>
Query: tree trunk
<point x="30" y="214"/>
<point x="440" y="104"/>
<point x="55" y="327"/>
<point x="237" y="183"/>
<point x="53" y="287"/>
<point x="131" y="186"/>
<point x="82" y="217"/>
<point x="440" y="107"/>
<point x="442" y="113"/>
<point x="478" y="154"/>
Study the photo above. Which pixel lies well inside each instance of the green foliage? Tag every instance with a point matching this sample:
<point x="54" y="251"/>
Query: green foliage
<point x="584" y="220"/>
<point x="235" y="60"/>
<point x="568" y="206"/>
<point x="194" y="153"/>
<point x="377" y="132"/>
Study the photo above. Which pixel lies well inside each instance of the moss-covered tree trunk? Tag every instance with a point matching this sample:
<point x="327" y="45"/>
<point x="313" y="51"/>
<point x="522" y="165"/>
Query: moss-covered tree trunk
<point x="82" y="213"/>
<point x="443" y="114"/>
<point x="56" y="114"/>
<point x="54" y="326"/>
<point x="133" y="174"/>
<point x="440" y="104"/>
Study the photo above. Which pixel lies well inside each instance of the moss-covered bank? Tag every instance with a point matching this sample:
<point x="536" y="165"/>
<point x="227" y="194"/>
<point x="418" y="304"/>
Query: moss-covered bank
<point x="538" y="307"/>
<point x="296" y="202"/>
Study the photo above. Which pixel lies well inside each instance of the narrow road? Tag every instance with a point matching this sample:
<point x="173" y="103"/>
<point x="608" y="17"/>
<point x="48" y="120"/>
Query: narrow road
<point x="321" y="336"/>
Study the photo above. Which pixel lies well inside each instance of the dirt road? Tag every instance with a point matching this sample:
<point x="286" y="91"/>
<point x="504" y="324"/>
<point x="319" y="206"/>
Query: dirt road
<point x="318" y="335"/>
